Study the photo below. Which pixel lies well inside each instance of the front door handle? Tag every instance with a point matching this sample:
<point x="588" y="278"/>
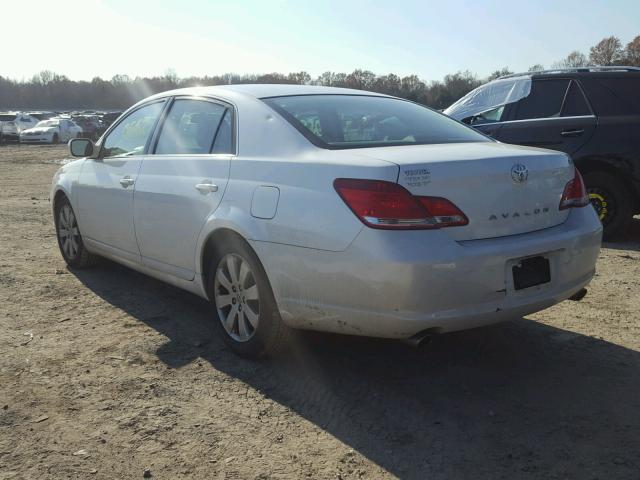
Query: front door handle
<point x="571" y="133"/>
<point x="126" y="181"/>
<point x="206" y="187"/>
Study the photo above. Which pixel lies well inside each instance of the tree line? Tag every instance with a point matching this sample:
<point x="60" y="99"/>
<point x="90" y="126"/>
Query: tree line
<point x="48" y="90"/>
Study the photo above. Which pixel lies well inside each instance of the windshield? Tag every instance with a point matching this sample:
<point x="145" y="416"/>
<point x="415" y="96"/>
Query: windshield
<point x="7" y="117"/>
<point x="48" y="123"/>
<point x="490" y="96"/>
<point x="357" y="121"/>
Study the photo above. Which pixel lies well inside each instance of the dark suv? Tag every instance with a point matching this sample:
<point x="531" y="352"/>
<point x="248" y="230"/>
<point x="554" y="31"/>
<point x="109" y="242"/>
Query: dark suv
<point x="593" y="114"/>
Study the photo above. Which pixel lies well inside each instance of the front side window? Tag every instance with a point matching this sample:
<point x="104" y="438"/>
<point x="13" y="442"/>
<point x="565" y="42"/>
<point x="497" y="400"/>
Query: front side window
<point x="544" y="101"/>
<point x="358" y="121"/>
<point x="130" y="136"/>
<point x="190" y="127"/>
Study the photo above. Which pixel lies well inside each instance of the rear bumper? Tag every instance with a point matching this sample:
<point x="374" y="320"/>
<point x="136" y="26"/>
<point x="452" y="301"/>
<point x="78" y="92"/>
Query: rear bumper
<point x="396" y="284"/>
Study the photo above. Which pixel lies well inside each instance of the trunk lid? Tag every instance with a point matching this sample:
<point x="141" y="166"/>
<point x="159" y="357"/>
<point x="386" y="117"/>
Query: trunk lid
<point x="502" y="189"/>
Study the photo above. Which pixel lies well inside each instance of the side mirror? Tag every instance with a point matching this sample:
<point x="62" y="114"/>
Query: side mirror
<point x="81" y="147"/>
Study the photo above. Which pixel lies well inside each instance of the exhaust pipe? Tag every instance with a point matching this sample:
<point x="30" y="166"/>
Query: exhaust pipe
<point x="419" y="340"/>
<point x="579" y="295"/>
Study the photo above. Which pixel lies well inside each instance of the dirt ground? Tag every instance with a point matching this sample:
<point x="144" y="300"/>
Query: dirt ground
<point x="104" y="373"/>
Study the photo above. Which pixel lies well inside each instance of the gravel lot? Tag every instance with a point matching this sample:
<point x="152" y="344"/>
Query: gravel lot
<point x="104" y="373"/>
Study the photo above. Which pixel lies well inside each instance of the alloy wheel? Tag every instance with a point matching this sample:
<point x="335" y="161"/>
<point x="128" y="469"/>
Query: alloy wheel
<point x="68" y="232"/>
<point x="237" y="297"/>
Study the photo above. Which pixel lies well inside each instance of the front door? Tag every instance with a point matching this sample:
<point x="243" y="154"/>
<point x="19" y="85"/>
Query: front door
<point x="182" y="182"/>
<point x="106" y="184"/>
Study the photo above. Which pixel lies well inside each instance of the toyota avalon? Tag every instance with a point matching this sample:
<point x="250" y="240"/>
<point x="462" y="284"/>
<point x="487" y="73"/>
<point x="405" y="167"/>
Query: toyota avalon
<point x="327" y="209"/>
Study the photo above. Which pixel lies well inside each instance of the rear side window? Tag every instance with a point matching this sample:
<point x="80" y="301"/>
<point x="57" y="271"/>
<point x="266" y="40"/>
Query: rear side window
<point x="359" y="121"/>
<point x="224" y="138"/>
<point x="614" y="96"/>
<point x="575" y="105"/>
<point x="190" y="127"/>
<point x="544" y="101"/>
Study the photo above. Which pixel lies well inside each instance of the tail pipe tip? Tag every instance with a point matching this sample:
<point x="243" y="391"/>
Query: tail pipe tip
<point x="579" y="295"/>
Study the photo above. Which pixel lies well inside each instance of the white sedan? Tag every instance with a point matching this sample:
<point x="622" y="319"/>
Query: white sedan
<point x="54" y="130"/>
<point x="327" y="209"/>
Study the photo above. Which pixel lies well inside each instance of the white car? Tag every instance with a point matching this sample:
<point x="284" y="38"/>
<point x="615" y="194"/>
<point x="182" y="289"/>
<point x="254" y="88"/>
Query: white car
<point x="54" y="130"/>
<point x="328" y="209"/>
<point x="13" y="123"/>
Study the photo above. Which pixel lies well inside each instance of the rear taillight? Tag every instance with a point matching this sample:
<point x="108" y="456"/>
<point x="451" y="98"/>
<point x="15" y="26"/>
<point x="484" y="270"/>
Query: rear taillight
<point x="381" y="204"/>
<point x="574" y="195"/>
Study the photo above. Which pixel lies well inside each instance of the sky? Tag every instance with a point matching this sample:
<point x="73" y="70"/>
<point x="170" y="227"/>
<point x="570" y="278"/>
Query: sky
<point x="83" y="39"/>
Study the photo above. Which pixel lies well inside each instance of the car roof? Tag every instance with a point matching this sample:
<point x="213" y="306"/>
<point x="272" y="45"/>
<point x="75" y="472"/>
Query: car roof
<point x="263" y="91"/>
<point x="610" y="71"/>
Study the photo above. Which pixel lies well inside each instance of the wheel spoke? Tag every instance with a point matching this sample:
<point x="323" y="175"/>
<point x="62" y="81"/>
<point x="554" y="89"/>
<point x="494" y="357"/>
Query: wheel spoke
<point x="251" y="316"/>
<point x="62" y="222"/>
<point x="224" y="281"/>
<point x="244" y="273"/>
<point x="230" y="321"/>
<point x="251" y="293"/>
<point x="242" y="326"/>
<point x="74" y="245"/>
<point x="67" y="246"/>
<point x="65" y="212"/>
<point x="231" y="266"/>
<point x="223" y="300"/>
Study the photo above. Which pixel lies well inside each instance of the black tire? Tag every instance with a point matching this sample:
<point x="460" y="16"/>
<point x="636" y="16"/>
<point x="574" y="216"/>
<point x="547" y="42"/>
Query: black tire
<point x="612" y="201"/>
<point x="55" y="140"/>
<point x="271" y="335"/>
<point x="80" y="256"/>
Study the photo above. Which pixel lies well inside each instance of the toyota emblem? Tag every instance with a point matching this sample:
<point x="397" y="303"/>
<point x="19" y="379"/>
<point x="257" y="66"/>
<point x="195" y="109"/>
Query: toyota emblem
<point x="519" y="173"/>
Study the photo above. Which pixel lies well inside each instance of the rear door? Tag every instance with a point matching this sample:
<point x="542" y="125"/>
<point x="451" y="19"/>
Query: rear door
<point x="182" y="182"/>
<point x="554" y="115"/>
<point x="106" y="185"/>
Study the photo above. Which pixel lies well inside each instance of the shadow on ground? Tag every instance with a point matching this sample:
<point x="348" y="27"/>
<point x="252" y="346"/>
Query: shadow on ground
<point x="630" y="240"/>
<point x="512" y="400"/>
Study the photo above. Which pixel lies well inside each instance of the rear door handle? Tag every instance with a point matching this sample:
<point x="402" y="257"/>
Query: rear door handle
<point x="206" y="187"/>
<point x="571" y="133"/>
<point x="126" y="181"/>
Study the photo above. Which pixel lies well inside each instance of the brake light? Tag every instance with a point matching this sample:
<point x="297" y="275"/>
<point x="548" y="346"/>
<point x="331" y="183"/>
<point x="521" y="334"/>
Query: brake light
<point x="381" y="204"/>
<point x="444" y="211"/>
<point x="575" y="194"/>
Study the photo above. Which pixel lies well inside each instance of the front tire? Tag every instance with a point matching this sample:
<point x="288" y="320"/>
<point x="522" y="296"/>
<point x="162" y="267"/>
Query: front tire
<point x="612" y="201"/>
<point x="244" y="306"/>
<point x="70" y="241"/>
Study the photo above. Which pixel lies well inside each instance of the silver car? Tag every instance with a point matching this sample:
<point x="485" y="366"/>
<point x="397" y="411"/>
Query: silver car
<point x="328" y="209"/>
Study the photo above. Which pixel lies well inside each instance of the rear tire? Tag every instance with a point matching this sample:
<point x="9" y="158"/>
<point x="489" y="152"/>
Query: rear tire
<point x="70" y="241"/>
<point x="612" y="201"/>
<point x="244" y="307"/>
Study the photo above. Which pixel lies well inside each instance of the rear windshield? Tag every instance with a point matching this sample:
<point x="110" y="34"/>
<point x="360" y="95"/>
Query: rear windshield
<point x="357" y="121"/>
<point x="7" y="118"/>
